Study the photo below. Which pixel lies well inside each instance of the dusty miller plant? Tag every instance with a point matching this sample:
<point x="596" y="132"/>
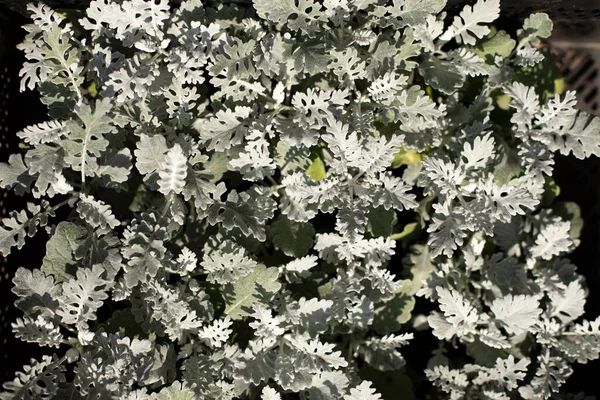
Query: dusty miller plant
<point x="229" y="191"/>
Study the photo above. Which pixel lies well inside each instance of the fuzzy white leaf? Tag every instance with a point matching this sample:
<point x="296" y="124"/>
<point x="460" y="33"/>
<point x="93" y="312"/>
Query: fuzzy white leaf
<point x="558" y="113"/>
<point x="227" y="264"/>
<point x="38" y="330"/>
<point x="44" y="132"/>
<point x="517" y="314"/>
<point x="567" y="305"/>
<point x="224" y="129"/>
<point x="269" y="393"/>
<point x="393" y="193"/>
<point x="173" y="171"/>
<point x="467" y="28"/>
<point x="83" y="296"/>
<point x="447" y="231"/>
<point x="217" y="333"/>
<point x="525" y="101"/>
<point x="364" y="391"/>
<point x="439" y="176"/>
<point x="452" y="381"/>
<point x="351" y="223"/>
<point x="553" y="240"/>
<point x="459" y="316"/>
<point x="187" y="260"/>
<point x="97" y="214"/>
<point x="384" y="89"/>
<point x="480" y="153"/>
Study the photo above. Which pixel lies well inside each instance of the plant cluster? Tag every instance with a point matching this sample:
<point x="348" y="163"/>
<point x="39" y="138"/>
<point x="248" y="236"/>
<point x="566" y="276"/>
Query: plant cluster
<point x="244" y="201"/>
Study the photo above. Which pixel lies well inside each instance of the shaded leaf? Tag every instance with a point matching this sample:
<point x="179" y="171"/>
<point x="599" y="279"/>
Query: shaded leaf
<point x="60" y="260"/>
<point x="294" y="238"/>
<point x="257" y="287"/>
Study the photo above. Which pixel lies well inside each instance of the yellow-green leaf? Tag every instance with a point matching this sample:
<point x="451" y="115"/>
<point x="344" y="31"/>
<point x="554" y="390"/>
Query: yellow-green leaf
<point x="495" y="44"/>
<point x="502" y="101"/>
<point x="316" y="169"/>
<point x="406" y="157"/>
<point x="559" y="85"/>
<point x="92" y="90"/>
<point x="410" y="230"/>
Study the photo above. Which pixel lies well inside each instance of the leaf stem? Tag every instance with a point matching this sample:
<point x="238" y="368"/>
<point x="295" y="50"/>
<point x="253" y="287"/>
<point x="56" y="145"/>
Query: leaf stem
<point x="273" y="181"/>
<point x="167" y="205"/>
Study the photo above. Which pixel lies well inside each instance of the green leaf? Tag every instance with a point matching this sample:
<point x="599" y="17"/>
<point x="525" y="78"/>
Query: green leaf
<point x="541" y="76"/>
<point x="60" y="251"/>
<point x="502" y="99"/>
<point x="570" y="211"/>
<point x="484" y="354"/>
<point x="406" y="157"/>
<point x="123" y="321"/>
<point x="258" y="287"/>
<point x="424" y="209"/>
<point x="216" y="166"/>
<point x="92" y="90"/>
<point x="536" y="26"/>
<point x="381" y="221"/>
<point x="551" y="192"/>
<point x="295" y="239"/>
<point x="509" y="167"/>
<point x="441" y="75"/>
<point x="497" y="43"/>
<point x="390" y="384"/>
<point x="316" y="170"/>
<point x="392" y="314"/>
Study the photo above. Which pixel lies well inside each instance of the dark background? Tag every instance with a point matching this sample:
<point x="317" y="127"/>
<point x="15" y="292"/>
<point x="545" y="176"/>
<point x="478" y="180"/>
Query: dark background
<point x="578" y="179"/>
<point x="17" y="110"/>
